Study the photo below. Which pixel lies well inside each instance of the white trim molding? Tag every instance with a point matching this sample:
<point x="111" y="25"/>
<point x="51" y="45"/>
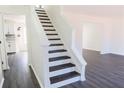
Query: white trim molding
<point x="39" y="81"/>
<point x="2" y="82"/>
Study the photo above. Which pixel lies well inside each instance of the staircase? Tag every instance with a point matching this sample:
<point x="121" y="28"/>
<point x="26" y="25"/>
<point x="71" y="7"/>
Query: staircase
<point x="61" y="69"/>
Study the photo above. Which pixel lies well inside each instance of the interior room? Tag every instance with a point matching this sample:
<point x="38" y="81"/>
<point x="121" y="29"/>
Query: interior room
<point x="62" y="46"/>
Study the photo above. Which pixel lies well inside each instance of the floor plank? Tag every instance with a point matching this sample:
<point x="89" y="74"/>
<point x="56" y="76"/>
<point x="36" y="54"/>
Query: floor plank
<point x="20" y="75"/>
<point x="102" y="71"/>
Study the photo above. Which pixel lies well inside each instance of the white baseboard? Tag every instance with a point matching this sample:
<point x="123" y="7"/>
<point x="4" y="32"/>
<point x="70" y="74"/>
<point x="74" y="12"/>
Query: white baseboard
<point x="1" y="84"/>
<point x="39" y="81"/>
<point x="102" y="53"/>
<point x="97" y="50"/>
<point x="116" y="53"/>
<point x="121" y="54"/>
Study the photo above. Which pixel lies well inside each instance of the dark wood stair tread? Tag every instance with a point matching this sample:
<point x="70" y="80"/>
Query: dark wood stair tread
<point x="49" y="29"/>
<point x="46" y="22"/>
<point x="44" y="18"/>
<point x="40" y="10"/>
<point x="41" y="13"/>
<point x="56" y="51"/>
<point x="56" y="44"/>
<point x="52" y="34"/>
<point x="58" y="58"/>
<point x="54" y="39"/>
<point x="63" y="77"/>
<point x="59" y="67"/>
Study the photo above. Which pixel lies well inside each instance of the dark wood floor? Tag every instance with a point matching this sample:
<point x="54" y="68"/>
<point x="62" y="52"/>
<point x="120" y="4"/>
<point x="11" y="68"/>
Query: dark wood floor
<point x="20" y="74"/>
<point x="102" y="71"/>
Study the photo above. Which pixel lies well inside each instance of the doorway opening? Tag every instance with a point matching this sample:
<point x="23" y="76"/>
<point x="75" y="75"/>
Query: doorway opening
<point x="15" y="35"/>
<point x="92" y="38"/>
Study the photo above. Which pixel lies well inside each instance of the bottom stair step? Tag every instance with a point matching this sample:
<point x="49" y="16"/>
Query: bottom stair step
<point x="63" y="77"/>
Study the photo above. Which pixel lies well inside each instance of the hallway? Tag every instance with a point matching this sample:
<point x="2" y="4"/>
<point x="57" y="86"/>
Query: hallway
<point x="102" y="71"/>
<point x="19" y="75"/>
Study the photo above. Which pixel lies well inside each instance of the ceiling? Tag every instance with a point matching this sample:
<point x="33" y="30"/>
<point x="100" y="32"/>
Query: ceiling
<point x="96" y="10"/>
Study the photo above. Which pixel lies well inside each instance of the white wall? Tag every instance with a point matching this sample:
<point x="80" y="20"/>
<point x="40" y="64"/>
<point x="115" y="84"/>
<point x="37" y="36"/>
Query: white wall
<point x="14" y="9"/>
<point x="1" y="52"/>
<point x="92" y="33"/>
<point x="112" y="25"/>
<point x="1" y="74"/>
<point x="39" y="44"/>
<point x="80" y="23"/>
<point x="4" y="57"/>
<point x="112" y="29"/>
<point x="117" y="36"/>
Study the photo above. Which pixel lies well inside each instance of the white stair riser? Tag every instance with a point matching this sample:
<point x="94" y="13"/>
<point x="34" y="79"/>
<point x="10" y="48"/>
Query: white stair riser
<point x="45" y="21"/>
<point x="57" y="54"/>
<point x="55" y="41"/>
<point x="43" y="16"/>
<point x="46" y="24"/>
<point x="39" y="8"/>
<point x="48" y="27"/>
<point x="52" y="36"/>
<point x="62" y="71"/>
<point x="50" y="32"/>
<point x="65" y="82"/>
<point x="56" y="47"/>
<point x="60" y="62"/>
